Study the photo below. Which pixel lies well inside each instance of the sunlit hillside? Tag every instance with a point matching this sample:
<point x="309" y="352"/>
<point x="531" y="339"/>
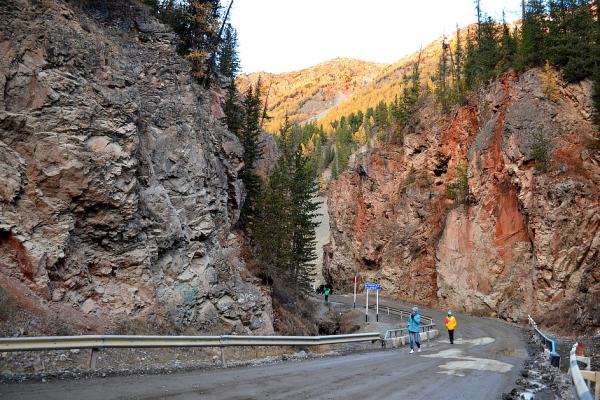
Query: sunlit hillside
<point x="309" y="93"/>
<point x="388" y="83"/>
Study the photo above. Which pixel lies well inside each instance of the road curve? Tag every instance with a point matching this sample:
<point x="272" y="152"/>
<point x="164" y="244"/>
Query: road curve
<point x="483" y="363"/>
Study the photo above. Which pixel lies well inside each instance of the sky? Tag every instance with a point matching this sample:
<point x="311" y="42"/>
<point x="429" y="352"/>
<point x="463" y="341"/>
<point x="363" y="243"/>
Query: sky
<point x="288" y="35"/>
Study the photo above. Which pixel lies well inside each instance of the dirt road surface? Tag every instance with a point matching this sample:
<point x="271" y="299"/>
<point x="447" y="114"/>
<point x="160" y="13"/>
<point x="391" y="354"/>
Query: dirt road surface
<point x="483" y="363"/>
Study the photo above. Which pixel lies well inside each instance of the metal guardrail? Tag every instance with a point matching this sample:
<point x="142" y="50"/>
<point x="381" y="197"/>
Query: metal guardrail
<point x="583" y="392"/>
<point x="121" y="341"/>
<point x="549" y="344"/>
<point x="405" y="314"/>
<point x="402" y="313"/>
<point x="394" y="333"/>
<point x="393" y="310"/>
<point x="96" y="342"/>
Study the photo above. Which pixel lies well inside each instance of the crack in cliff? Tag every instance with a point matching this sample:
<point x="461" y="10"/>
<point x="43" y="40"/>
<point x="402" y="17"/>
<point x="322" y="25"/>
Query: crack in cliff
<point x="580" y="262"/>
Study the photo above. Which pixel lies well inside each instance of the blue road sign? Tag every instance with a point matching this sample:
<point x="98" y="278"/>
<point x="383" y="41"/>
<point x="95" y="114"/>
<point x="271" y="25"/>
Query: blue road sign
<point x="373" y="286"/>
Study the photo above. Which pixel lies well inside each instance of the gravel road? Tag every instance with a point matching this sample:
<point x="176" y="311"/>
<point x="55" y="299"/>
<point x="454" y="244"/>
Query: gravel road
<point x="484" y="363"/>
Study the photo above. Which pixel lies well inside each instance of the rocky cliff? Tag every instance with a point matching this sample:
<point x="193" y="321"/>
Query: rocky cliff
<point x="524" y="238"/>
<point x="118" y="183"/>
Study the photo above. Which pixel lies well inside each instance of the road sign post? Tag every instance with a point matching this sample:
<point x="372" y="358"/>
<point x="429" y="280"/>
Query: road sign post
<point x="367" y="307"/>
<point x="355" y="291"/>
<point x="376" y="287"/>
<point x="377" y="306"/>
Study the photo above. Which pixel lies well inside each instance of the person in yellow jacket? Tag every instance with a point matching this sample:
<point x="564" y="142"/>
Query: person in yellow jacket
<point x="451" y="326"/>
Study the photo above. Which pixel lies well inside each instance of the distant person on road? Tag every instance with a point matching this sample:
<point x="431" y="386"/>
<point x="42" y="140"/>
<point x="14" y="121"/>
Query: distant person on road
<point x="327" y="293"/>
<point x="450" y="322"/>
<point x="414" y="328"/>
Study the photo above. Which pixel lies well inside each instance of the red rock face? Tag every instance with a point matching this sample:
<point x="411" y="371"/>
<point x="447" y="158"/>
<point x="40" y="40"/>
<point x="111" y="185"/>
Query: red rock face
<point x="524" y="241"/>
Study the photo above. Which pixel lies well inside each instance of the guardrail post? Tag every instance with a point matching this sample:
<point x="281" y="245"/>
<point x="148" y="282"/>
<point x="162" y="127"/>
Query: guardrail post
<point x="93" y="358"/>
<point x="222" y="355"/>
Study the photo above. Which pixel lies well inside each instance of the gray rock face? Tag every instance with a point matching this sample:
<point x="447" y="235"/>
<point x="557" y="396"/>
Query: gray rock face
<point x="118" y="184"/>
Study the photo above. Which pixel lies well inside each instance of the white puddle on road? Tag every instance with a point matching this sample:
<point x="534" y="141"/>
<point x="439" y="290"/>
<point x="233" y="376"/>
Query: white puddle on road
<point x="477" y="364"/>
<point x="475" y="342"/>
<point x="464" y="362"/>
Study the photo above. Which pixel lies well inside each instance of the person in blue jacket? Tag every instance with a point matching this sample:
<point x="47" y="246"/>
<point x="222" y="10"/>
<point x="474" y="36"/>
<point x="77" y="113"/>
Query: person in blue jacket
<point x="414" y="328"/>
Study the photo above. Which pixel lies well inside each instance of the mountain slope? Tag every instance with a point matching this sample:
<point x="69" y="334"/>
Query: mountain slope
<point x="388" y="83"/>
<point x="339" y="87"/>
<point x="309" y="93"/>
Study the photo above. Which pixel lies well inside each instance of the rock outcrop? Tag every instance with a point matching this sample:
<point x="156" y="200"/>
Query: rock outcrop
<point x="522" y="240"/>
<point x="118" y="183"/>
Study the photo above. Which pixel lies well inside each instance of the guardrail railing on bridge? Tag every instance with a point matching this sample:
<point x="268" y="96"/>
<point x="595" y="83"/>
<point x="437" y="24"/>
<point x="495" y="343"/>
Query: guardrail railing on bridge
<point x="121" y="341"/>
<point x="96" y="342"/>
<point x="583" y="392"/>
<point x="403" y="314"/>
<point x="394" y="333"/>
<point x="397" y="332"/>
<point x="549" y="344"/>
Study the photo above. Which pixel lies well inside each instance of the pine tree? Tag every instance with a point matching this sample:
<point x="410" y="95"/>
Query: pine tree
<point x="411" y="93"/>
<point x="577" y="52"/>
<point x="470" y="66"/>
<point x="304" y="189"/>
<point x="368" y="126"/>
<point x="370" y="112"/>
<point x="360" y="116"/>
<point x="508" y="48"/>
<point x="354" y="121"/>
<point x="488" y="51"/>
<point x="234" y="115"/>
<point x="483" y="54"/>
<point x="395" y="110"/>
<point x="272" y="229"/>
<point x="229" y="62"/>
<point x="556" y="29"/>
<point x="457" y="70"/>
<point x="203" y="34"/>
<point x="531" y="51"/>
<point x="250" y="138"/>
<point x="381" y="115"/>
<point x="441" y="88"/>
<point x="284" y="232"/>
<point x="478" y="14"/>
